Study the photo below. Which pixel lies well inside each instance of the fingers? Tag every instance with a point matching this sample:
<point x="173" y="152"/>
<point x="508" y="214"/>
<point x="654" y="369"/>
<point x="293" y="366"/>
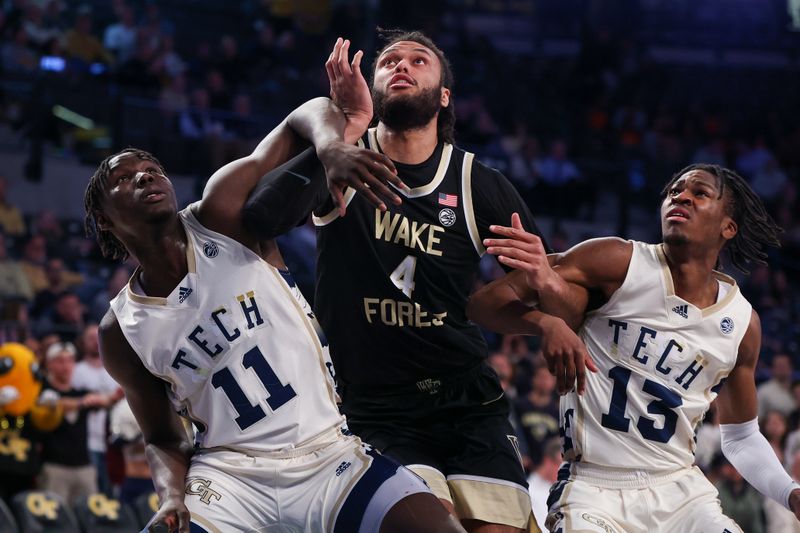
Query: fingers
<point x="378" y="186"/>
<point x="516" y="223"/>
<point x="569" y="372"/>
<point x="183" y="521"/>
<point x="344" y="59"/>
<point x="368" y="194"/>
<point x="515" y="233"/>
<point x="559" y="374"/>
<point x="356" y="64"/>
<point x="337" y="72"/>
<point x="338" y="199"/>
<point x="580" y="370"/>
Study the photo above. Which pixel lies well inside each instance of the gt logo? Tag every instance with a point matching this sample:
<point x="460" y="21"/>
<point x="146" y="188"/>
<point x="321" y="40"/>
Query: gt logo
<point x="598" y="522"/>
<point x="39" y="504"/>
<point x="101" y="506"/>
<point x="200" y="487"/>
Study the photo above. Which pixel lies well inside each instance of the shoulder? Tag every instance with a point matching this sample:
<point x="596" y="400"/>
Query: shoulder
<point x="596" y="263"/>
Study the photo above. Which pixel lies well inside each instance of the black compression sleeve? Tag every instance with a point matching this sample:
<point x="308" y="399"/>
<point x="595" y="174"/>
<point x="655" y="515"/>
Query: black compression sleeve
<point x="285" y="196"/>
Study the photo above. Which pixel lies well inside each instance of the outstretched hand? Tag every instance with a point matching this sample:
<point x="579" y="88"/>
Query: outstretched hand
<point x="349" y="89"/>
<point x="523" y="251"/>
<point x="566" y="355"/>
<point x="368" y="172"/>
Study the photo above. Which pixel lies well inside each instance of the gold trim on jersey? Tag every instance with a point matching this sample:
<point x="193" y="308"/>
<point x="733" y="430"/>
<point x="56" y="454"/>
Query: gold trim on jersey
<point x="469" y="211"/>
<point x="310" y="330"/>
<point x="707" y="311"/>
<point x="416" y="192"/>
<point x="160" y="300"/>
<point x="334" y="214"/>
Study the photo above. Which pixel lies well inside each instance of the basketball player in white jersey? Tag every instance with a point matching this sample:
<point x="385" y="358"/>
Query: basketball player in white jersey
<point x="670" y="335"/>
<point x="209" y="328"/>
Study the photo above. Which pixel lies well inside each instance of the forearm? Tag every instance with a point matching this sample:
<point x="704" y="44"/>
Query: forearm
<point x="499" y="307"/>
<point x="168" y="465"/>
<point x="318" y="121"/>
<point x="285" y="196"/>
<point x="752" y="456"/>
<point x="564" y="300"/>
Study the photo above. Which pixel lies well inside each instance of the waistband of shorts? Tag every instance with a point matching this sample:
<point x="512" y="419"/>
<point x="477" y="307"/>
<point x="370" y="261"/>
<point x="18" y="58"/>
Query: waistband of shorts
<point x="322" y="440"/>
<point x="424" y="386"/>
<point x="623" y="478"/>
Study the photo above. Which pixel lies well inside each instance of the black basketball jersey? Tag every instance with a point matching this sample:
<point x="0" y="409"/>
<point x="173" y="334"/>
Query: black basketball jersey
<point x="392" y="287"/>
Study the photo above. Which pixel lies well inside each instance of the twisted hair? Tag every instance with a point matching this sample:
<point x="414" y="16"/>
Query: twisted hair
<point x="445" y="124"/>
<point x="756" y="228"/>
<point x="110" y="246"/>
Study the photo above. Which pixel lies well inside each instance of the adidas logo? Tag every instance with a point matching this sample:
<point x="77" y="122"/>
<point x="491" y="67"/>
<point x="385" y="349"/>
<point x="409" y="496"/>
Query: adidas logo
<point x="682" y="310"/>
<point x="342" y="467"/>
<point x="183" y="293"/>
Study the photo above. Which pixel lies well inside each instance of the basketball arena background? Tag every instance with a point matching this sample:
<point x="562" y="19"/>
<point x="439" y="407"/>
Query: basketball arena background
<point x="588" y="107"/>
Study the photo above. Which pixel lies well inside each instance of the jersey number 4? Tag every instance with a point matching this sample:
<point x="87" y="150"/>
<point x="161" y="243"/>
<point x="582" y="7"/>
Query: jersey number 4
<point x="664" y="404"/>
<point x="403" y="275"/>
<point x="248" y="413"/>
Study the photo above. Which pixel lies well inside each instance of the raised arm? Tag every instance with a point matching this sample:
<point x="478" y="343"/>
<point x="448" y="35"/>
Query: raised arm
<point x="742" y="442"/>
<point x="548" y="293"/>
<point x="167" y="447"/>
<point x="318" y="121"/>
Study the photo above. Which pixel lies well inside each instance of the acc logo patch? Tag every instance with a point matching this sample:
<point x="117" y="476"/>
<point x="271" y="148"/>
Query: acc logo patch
<point x="726" y="325"/>
<point x="447" y="217"/>
<point x="210" y="249"/>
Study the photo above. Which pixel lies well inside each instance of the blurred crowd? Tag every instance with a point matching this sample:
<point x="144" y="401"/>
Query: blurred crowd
<point x="587" y="137"/>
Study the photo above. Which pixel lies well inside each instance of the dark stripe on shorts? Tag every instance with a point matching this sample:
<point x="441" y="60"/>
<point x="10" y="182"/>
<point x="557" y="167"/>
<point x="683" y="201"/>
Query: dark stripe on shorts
<point x="195" y="528"/>
<point x="354" y="507"/>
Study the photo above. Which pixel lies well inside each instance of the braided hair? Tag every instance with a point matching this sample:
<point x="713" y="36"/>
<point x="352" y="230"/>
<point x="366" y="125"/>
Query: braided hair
<point x="757" y="229"/>
<point x="445" y="125"/>
<point x="110" y="246"/>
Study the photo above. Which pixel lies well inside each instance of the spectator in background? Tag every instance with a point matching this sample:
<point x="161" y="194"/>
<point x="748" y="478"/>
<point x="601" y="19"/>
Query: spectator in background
<point x="775" y="394"/>
<point x="559" y="191"/>
<point x="538" y="411"/>
<point x="17" y="56"/>
<point x="42" y="33"/>
<point x="119" y="278"/>
<point x="34" y="259"/>
<point x="81" y="45"/>
<point x="739" y="500"/>
<point x="708" y="437"/>
<point x="540" y="481"/>
<point x="65" y="319"/>
<point x="120" y="37"/>
<point x="56" y="284"/>
<point x="773" y="426"/>
<point x="14" y="284"/>
<point x="90" y="375"/>
<point x="126" y="433"/>
<point x="66" y="468"/>
<point x="11" y="219"/>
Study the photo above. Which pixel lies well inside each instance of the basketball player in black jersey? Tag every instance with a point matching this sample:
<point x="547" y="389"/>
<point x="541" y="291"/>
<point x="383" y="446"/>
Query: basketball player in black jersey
<point x="392" y="287"/>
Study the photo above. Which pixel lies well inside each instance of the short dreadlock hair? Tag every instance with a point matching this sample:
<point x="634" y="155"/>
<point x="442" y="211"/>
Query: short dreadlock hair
<point x="445" y="125"/>
<point x="757" y="229"/>
<point x="110" y="246"/>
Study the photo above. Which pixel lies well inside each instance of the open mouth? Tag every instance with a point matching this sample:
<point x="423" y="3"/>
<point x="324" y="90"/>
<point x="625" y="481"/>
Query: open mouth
<point x="401" y="81"/>
<point x="677" y="215"/>
<point x="154" y="196"/>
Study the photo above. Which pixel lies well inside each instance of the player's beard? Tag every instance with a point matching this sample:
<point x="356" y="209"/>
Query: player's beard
<point x="403" y="113"/>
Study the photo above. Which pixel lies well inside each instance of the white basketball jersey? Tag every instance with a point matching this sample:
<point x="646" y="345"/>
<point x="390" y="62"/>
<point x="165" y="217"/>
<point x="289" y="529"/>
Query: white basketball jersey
<point x="240" y="353"/>
<point x="661" y="362"/>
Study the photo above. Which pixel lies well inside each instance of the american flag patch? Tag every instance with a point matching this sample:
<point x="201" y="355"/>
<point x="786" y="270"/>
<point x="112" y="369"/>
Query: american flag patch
<point x="450" y="200"/>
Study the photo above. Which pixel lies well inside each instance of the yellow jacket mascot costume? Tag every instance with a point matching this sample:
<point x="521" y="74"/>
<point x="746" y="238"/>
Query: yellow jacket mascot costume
<point x="23" y="416"/>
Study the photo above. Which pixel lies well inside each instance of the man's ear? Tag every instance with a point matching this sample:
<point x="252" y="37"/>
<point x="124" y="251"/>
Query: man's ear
<point x="445" y="99"/>
<point x="729" y="228"/>
<point x="102" y="221"/>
